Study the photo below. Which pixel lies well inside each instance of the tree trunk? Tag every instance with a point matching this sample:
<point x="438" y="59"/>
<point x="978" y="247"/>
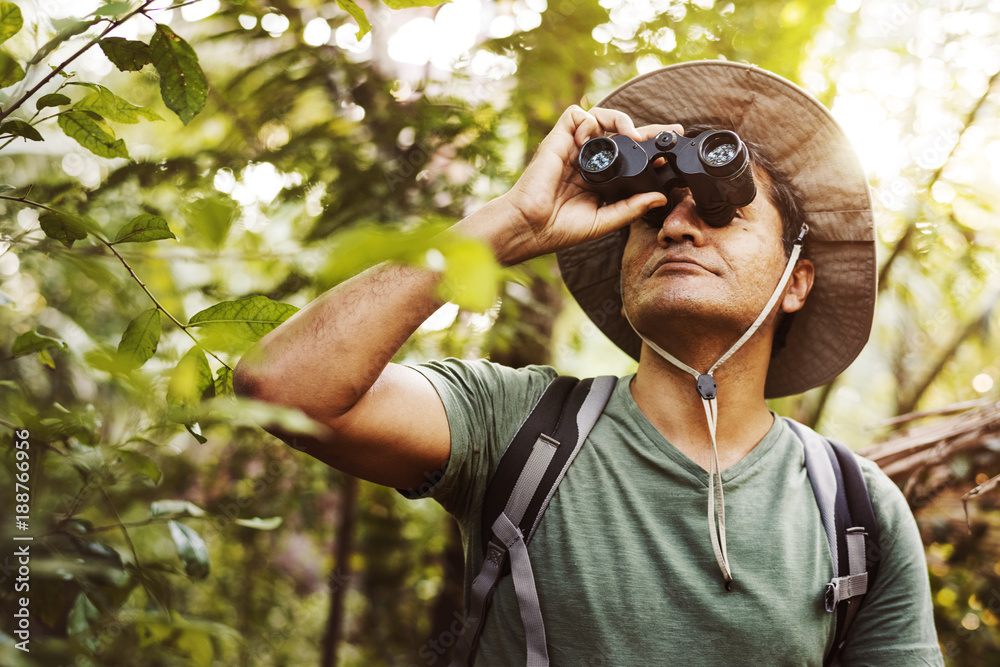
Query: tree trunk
<point x="339" y="579"/>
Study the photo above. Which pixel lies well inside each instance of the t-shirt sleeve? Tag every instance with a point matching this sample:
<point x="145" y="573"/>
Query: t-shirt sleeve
<point x="895" y="625"/>
<point x="485" y="403"/>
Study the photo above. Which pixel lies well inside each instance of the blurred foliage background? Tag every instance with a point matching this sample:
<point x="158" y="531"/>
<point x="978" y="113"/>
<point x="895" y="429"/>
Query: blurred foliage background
<point x="272" y="153"/>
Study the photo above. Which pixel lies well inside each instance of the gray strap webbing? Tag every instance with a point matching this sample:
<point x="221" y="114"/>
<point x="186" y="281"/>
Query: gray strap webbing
<point x="824" y="483"/>
<point x="531" y="475"/>
<point x="505" y="529"/>
<point x="590" y="412"/>
<point x="524" y="587"/>
<point x="482" y="591"/>
<point x="855" y="583"/>
<point x="823" y="480"/>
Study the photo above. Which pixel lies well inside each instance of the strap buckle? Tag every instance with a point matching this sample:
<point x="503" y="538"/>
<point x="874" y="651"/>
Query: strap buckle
<point x="802" y="234"/>
<point x="831" y="596"/>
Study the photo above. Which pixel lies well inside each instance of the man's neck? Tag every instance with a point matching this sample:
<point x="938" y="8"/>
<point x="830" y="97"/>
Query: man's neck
<point x="669" y="399"/>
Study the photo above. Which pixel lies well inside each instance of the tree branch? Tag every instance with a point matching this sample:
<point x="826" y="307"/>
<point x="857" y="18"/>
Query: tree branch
<point x="975" y="326"/>
<point x="131" y="546"/>
<point x="110" y="246"/>
<point x="112" y="24"/>
<point x="904" y="241"/>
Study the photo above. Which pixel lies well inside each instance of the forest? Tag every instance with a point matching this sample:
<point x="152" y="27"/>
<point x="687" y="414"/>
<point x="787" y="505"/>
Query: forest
<point x="178" y="177"/>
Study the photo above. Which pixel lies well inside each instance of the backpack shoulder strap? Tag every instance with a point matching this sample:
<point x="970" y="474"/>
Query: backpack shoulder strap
<point x="518" y="495"/>
<point x="849" y="522"/>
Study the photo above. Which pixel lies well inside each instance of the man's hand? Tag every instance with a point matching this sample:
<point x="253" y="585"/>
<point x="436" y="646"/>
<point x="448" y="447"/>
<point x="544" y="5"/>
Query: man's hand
<point x="555" y="208"/>
<point x="332" y="359"/>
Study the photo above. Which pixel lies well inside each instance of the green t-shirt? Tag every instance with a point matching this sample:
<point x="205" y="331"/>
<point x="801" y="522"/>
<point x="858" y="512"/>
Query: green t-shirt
<point x="623" y="560"/>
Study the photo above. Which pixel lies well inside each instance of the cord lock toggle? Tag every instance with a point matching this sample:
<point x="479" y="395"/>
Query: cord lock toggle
<point x="707" y="387"/>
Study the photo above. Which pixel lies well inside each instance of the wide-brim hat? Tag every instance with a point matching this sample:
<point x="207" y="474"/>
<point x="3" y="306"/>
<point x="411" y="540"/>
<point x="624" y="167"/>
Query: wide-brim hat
<point x="807" y="145"/>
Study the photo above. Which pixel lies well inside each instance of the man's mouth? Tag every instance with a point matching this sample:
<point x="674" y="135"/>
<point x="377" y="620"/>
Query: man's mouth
<point x="679" y="263"/>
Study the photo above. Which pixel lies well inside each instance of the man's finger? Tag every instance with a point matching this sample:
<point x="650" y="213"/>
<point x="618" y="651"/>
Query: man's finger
<point x="585" y="125"/>
<point x="626" y="211"/>
<point x="650" y="131"/>
<point x="612" y="120"/>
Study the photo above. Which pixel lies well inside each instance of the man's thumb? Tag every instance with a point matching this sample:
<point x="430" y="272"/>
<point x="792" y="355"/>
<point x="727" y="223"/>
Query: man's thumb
<point x="628" y="210"/>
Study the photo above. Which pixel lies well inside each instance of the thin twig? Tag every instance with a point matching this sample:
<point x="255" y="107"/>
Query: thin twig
<point x="112" y="24"/>
<point x="110" y="246"/>
<point x="147" y="522"/>
<point x="988" y="485"/>
<point x="134" y="524"/>
<point x="128" y="539"/>
<point x="29" y="202"/>
<point x="935" y="412"/>
<point x="166" y="312"/>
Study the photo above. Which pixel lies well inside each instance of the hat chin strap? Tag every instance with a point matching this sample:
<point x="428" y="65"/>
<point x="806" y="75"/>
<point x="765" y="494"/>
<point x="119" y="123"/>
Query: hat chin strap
<point x="706" y="386"/>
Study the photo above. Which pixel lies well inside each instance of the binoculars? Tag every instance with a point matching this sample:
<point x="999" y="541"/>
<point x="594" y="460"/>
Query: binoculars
<point x="714" y="165"/>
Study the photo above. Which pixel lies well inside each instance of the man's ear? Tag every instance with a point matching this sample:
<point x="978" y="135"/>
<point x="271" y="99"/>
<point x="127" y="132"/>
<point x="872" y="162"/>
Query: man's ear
<point x="799" y="285"/>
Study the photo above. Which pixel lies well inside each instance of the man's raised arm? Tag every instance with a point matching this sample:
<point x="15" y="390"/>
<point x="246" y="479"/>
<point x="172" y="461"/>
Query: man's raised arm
<point x="331" y="360"/>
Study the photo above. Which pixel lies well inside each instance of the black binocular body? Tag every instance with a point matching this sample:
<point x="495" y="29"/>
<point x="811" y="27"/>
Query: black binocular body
<point x="714" y="165"/>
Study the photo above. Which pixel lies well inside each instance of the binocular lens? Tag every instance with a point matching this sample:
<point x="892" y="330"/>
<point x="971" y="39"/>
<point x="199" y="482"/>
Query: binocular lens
<point x="720" y="155"/>
<point x="600" y="160"/>
<point x="597" y="159"/>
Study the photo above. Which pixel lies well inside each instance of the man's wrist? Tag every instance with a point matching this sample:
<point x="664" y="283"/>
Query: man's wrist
<point x="500" y="225"/>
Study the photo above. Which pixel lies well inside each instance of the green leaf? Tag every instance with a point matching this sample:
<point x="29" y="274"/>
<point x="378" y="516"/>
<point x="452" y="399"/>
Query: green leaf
<point x="403" y="4"/>
<point x="11" y="20"/>
<point x="63" y="228"/>
<point x="125" y="54"/>
<point x="10" y="70"/>
<point x="195" y="432"/>
<point x="178" y="508"/>
<point x="72" y="29"/>
<point x="138" y="343"/>
<point x="234" y="325"/>
<point x="113" y="108"/>
<point x="105" y="358"/>
<point x="91" y="132"/>
<point x="113" y="9"/>
<point x="82" y="616"/>
<point x="140" y="463"/>
<point x="210" y="218"/>
<point x="258" y="523"/>
<point x="224" y="382"/>
<point x="45" y="359"/>
<point x="153" y="631"/>
<point x="192" y="550"/>
<point x="144" y="227"/>
<point x="32" y="341"/>
<point x="358" y="14"/>
<point x="51" y="100"/>
<point x="471" y="275"/>
<point x="182" y="82"/>
<point x="190" y="382"/>
<point x="19" y="128"/>
<point x="196" y="647"/>
<point x="258" y="413"/>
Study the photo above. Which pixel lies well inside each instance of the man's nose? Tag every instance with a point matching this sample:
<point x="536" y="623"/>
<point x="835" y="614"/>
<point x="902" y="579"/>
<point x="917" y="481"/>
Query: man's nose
<point x="683" y="222"/>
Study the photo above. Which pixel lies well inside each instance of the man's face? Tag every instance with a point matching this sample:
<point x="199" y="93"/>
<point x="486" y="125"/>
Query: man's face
<point x="687" y="274"/>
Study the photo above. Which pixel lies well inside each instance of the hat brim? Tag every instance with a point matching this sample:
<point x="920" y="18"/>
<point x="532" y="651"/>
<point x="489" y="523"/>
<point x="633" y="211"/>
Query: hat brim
<point x="808" y="146"/>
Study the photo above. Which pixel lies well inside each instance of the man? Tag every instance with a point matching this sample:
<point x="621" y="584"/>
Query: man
<point x="629" y="567"/>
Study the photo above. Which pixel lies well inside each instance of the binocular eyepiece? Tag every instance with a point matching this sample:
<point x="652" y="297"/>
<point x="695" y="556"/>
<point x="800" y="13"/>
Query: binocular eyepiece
<point x="714" y="165"/>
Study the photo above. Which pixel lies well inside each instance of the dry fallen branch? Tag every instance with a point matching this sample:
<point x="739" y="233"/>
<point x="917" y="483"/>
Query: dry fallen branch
<point x="978" y="491"/>
<point x="922" y="453"/>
